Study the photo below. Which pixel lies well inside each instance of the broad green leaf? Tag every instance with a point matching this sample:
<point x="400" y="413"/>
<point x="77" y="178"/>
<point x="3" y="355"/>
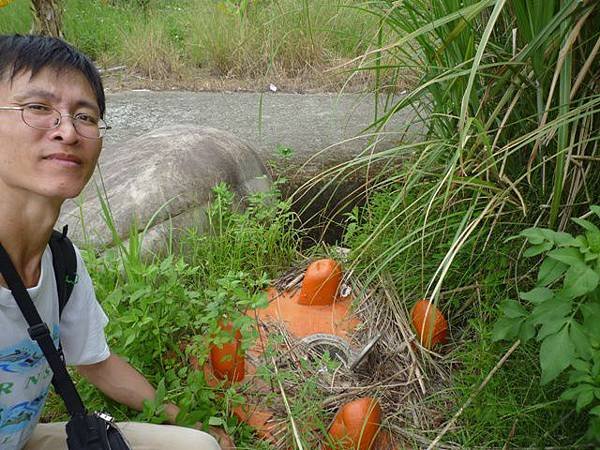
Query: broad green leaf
<point x="129" y="340"/>
<point x="593" y="241"/>
<point x="506" y="328"/>
<point x="576" y="377"/>
<point x="550" y="311"/>
<point x="595" y="411"/>
<point x="581" y="242"/>
<point x="550" y="271"/>
<point x="538" y="249"/>
<point x="527" y="331"/>
<point x="595" y="209"/>
<point x="580" y="365"/>
<point x="537" y="295"/>
<point x="568" y="255"/>
<point x="512" y="309"/>
<point x="584" y="399"/>
<point x="574" y="392"/>
<point x="579" y="280"/>
<point x="557" y="352"/>
<point x="591" y="311"/>
<point x="563" y="239"/>
<point x="591" y="319"/>
<point x="580" y="340"/>
<point x="535" y="236"/>
<point x="586" y="224"/>
<point x="551" y="327"/>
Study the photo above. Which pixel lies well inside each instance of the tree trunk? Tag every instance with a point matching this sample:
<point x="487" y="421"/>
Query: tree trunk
<point x="47" y="17"/>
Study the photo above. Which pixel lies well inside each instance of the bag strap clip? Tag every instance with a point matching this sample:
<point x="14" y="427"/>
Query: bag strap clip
<point x="38" y="331"/>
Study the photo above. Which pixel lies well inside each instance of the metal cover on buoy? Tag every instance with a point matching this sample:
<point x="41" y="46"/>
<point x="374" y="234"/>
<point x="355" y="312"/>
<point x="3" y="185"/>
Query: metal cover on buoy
<point x="322" y="343"/>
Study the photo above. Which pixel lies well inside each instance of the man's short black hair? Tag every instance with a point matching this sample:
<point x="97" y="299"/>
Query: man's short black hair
<point x="20" y="54"/>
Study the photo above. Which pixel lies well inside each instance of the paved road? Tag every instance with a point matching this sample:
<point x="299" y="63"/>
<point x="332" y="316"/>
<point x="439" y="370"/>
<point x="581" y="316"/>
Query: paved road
<point x="307" y="123"/>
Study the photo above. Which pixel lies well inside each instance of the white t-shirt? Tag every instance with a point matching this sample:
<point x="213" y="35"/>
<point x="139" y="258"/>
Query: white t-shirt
<point x="24" y="373"/>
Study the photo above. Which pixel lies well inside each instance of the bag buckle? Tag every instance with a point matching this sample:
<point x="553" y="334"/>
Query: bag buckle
<point x="104" y="416"/>
<point x="38" y="331"/>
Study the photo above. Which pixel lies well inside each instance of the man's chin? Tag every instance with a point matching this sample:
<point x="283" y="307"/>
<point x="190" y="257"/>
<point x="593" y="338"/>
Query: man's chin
<point x="60" y="195"/>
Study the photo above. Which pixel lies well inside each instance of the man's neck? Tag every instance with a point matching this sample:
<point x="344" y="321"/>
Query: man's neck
<point x="26" y="223"/>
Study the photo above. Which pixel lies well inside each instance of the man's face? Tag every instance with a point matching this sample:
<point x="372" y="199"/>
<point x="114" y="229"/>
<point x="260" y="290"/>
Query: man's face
<point x="55" y="163"/>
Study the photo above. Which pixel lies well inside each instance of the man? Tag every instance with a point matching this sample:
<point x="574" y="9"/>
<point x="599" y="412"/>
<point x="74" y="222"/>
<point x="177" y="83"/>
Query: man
<point x="51" y="127"/>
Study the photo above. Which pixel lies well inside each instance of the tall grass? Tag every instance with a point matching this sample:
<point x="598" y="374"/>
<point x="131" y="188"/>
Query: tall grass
<point x="506" y="135"/>
<point x="513" y="98"/>
<point x="164" y="39"/>
<point x="282" y="36"/>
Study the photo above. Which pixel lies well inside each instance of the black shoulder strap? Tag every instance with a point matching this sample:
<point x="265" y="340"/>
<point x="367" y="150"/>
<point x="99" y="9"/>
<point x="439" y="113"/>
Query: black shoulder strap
<point x="39" y="332"/>
<point x="64" y="261"/>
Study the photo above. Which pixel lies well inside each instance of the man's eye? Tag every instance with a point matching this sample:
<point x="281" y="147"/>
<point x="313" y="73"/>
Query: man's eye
<point x="86" y="119"/>
<point x="38" y="108"/>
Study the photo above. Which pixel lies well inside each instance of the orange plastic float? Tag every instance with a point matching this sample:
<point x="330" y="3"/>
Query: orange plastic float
<point x="322" y="281"/>
<point x="429" y="323"/>
<point x="356" y="424"/>
<point x="317" y="307"/>
<point x="227" y="360"/>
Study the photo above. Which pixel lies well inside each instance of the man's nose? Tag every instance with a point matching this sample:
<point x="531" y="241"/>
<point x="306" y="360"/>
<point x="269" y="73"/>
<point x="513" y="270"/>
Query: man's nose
<point x="66" y="127"/>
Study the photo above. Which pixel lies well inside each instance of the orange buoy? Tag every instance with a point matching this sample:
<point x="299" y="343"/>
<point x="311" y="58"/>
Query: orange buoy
<point x="429" y="323"/>
<point x="322" y="280"/>
<point x="227" y="360"/>
<point x="356" y="424"/>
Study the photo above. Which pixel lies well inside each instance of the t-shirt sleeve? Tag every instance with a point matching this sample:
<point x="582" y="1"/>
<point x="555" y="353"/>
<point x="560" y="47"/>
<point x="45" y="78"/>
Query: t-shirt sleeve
<point x="82" y="323"/>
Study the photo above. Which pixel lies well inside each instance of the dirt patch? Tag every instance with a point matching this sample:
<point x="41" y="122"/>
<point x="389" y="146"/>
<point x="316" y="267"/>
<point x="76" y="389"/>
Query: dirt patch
<point x="319" y="80"/>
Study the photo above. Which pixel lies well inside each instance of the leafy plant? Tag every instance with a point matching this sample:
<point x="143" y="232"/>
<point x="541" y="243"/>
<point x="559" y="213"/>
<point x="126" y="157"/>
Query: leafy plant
<point x="562" y="312"/>
<point x="165" y="308"/>
<point x="237" y="293"/>
<point x="259" y="238"/>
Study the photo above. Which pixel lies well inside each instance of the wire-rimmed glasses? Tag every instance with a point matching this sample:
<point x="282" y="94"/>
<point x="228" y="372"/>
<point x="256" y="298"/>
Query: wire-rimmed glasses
<point x="44" y="117"/>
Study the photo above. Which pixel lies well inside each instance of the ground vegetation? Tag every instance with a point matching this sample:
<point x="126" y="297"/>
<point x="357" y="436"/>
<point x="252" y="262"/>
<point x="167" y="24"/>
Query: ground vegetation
<point x="513" y="94"/>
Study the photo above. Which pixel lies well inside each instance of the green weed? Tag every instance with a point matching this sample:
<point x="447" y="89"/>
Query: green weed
<point x="16" y="18"/>
<point x="562" y="313"/>
<point x="513" y="409"/>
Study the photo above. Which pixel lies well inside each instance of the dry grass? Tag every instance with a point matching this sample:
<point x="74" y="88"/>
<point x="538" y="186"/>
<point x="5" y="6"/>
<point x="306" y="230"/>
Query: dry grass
<point x="151" y="53"/>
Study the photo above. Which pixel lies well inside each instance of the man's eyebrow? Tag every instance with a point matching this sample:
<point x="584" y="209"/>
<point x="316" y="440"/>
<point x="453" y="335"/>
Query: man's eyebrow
<point x="36" y="93"/>
<point x="42" y="93"/>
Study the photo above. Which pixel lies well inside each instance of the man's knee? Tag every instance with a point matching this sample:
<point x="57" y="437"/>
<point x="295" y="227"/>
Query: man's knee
<point x="167" y="437"/>
<point x="199" y="440"/>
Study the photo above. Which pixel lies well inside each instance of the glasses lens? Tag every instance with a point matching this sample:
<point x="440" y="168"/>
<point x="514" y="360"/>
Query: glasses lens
<point x="41" y="116"/>
<point x="89" y="127"/>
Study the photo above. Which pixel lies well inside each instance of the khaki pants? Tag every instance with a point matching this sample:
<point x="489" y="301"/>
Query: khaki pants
<point x="141" y="436"/>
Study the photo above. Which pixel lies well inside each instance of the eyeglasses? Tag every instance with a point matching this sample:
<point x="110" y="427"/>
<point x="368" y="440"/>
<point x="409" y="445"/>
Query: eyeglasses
<point x="43" y="117"/>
